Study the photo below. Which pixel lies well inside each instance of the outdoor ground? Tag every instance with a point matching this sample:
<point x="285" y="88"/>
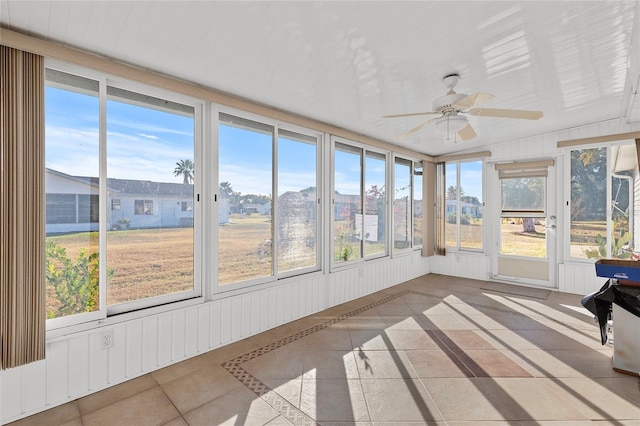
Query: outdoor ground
<point x="151" y="262"/>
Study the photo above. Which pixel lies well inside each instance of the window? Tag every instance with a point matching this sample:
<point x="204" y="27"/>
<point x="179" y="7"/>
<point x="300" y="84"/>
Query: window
<point x="604" y="202"/>
<point x="245" y="236"/>
<point x="373" y="226"/>
<point x="417" y="204"/>
<point x="464" y="205"/>
<point x="186" y="206"/>
<point x="143" y="207"/>
<point x="298" y="202"/>
<point x="402" y="205"/>
<point x="150" y="257"/>
<point x="72" y="166"/>
<point x="261" y="239"/>
<point x="359" y="204"/>
<point x="148" y="253"/>
<point x="523" y="217"/>
<point x="88" y="211"/>
<point x="61" y="208"/>
<point x="347" y="203"/>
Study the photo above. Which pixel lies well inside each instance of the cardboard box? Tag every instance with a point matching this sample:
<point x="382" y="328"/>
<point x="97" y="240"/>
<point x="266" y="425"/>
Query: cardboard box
<point x="626" y="271"/>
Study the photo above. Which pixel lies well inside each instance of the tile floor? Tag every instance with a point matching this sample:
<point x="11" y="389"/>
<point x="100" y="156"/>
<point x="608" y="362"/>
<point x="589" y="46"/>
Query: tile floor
<point x="434" y="350"/>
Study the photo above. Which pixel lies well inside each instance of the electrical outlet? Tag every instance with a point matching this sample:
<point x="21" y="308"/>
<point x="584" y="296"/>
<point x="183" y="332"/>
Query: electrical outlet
<point x="106" y="339"/>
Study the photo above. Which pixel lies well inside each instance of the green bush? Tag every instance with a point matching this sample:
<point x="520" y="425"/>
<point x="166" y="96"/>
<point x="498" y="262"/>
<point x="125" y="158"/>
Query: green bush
<point x="76" y="284"/>
<point x="464" y="219"/>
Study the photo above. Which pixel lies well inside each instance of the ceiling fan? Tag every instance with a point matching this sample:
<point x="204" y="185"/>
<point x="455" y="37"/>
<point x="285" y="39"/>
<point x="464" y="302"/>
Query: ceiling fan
<point x="451" y="106"/>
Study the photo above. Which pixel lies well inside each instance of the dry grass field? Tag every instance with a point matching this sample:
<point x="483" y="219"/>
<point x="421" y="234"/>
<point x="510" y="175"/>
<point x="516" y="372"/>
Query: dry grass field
<point x="152" y="262"/>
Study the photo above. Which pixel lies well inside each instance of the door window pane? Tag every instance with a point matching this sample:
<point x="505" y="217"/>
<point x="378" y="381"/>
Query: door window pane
<point x="347" y="203"/>
<point x="245" y="229"/>
<point x="150" y="170"/>
<point x="374" y="221"/>
<point x="417" y="205"/>
<point x="402" y="232"/>
<point x="297" y="202"/>
<point x="523" y="218"/>
<point x="471" y="205"/>
<point x="72" y="168"/>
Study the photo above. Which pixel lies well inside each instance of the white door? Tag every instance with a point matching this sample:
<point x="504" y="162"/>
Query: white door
<point x="524" y="224"/>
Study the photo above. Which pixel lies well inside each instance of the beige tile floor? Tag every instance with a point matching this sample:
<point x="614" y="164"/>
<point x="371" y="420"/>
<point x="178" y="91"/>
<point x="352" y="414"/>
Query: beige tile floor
<point x="434" y="350"/>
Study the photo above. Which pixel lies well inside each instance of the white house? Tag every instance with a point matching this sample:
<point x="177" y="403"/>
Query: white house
<point x="72" y="204"/>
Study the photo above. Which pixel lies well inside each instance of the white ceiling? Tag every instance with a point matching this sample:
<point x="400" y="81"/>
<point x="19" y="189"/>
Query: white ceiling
<point x="349" y="63"/>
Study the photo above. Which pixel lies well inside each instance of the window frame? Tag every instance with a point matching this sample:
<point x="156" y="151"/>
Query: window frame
<point x="566" y="243"/>
<point x="458" y="207"/>
<point x="150" y="304"/>
<point x="413" y="161"/>
<point x="276" y="275"/>
<point x="363" y="150"/>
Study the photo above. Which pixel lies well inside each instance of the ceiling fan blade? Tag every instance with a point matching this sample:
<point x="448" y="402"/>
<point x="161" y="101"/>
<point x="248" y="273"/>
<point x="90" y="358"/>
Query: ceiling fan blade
<point x="472" y="100"/>
<point x="412" y="114"/>
<point x="467" y="133"/>
<point x="506" y="113"/>
<point x="420" y="126"/>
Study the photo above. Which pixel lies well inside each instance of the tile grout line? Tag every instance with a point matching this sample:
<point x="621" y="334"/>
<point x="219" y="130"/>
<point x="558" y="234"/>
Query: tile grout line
<point x="280" y="404"/>
<point x="271" y="397"/>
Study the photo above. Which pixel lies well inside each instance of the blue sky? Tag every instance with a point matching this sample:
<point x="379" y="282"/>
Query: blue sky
<point x="141" y="143"/>
<point x="470" y="177"/>
<point x="145" y="144"/>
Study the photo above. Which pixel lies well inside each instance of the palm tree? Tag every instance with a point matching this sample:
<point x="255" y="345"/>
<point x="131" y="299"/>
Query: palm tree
<point x="184" y="168"/>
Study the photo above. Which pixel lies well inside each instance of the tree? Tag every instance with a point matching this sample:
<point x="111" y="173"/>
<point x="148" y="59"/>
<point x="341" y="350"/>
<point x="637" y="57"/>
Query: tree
<point x="184" y="168"/>
<point x="226" y="187"/>
<point x="589" y="184"/>
<point x="452" y="192"/>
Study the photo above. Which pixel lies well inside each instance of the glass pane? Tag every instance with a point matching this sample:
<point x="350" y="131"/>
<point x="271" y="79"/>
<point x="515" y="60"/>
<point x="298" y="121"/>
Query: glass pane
<point x="417" y="205"/>
<point x="375" y="205"/>
<point x="523" y="236"/>
<point x="588" y="202"/>
<point x="245" y="230"/>
<point x="402" y="232"/>
<point x="523" y="194"/>
<point x="620" y="196"/>
<point x="297" y="202"/>
<point x="72" y="167"/>
<point x="347" y="203"/>
<point x="471" y="205"/>
<point x="150" y="171"/>
<point x="451" y="209"/>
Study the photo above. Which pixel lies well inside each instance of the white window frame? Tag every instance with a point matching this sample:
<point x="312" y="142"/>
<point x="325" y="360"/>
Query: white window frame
<point x="276" y="275"/>
<point x="458" y="247"/>
<point x="412" y="176"/>
<point x="152" y="304"/>
<point x="567" y="204"/>
<point x="334" y="265"/>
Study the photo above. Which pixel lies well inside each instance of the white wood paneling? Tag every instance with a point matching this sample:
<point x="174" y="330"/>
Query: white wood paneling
<point x="77" y="365"/>
<point x="467" y="265"/>
<point x="579" y="278"/>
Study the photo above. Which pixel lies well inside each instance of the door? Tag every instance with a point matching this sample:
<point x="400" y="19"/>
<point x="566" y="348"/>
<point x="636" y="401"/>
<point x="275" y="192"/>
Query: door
<point x="524" y="233"/>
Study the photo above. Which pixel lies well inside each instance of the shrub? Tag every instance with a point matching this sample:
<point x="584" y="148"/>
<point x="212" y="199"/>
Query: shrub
<point x="76" y="284"/>
<point x="464" y="219"/>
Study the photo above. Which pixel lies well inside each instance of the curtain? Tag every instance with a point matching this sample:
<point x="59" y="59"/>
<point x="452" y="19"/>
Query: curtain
<point x="440" y="209"/>
<point x="22" y="273"/>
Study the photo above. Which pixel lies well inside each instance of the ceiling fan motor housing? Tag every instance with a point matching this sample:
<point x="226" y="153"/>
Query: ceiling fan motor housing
<point x="445" y="104"/>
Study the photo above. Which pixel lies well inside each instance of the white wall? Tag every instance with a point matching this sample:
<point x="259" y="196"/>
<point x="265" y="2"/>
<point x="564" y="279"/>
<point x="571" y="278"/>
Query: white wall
<point x="76" y="366"/>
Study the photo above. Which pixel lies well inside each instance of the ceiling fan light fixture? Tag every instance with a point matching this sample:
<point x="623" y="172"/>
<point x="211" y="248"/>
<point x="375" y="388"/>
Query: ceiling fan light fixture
<point x="451" y="123"/>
